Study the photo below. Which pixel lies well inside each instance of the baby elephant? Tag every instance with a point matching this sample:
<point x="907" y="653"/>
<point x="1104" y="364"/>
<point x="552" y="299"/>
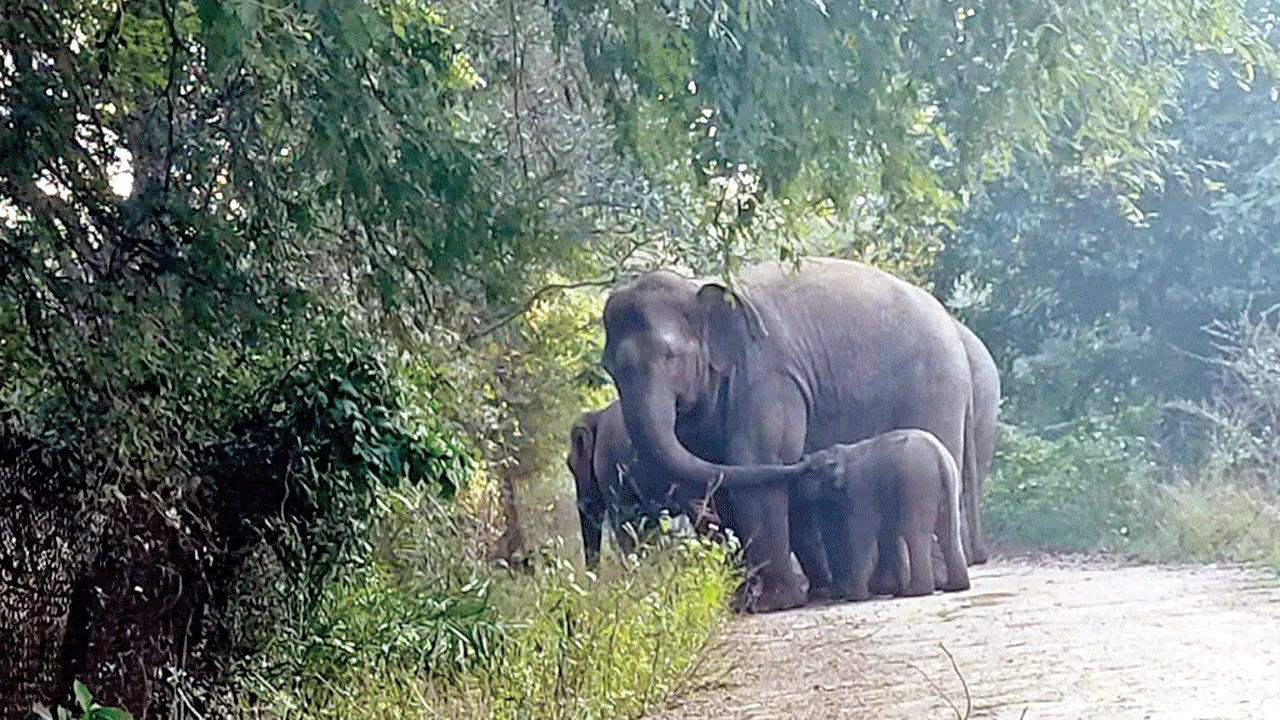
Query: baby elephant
<point x="904" y="481"/>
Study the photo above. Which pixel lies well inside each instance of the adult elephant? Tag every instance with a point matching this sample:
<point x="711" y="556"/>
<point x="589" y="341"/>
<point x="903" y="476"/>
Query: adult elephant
<point x="986" y="408"/>
<point x="788" y="363"/>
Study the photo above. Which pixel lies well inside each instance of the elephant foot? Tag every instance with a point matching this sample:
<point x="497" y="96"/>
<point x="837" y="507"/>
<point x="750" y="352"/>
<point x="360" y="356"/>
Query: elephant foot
<point x="855" y="594"/>
<point x="759" y="597"/>
<point x="884" y="584"/>
<point x="918" y="590"/>
<point x="956" y="578"/>
<point x="825" y="593"/>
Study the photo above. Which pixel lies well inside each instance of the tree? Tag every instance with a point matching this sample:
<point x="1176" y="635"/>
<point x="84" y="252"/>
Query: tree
<point x="1085" y="292"/>
<point x="891" y="113"/>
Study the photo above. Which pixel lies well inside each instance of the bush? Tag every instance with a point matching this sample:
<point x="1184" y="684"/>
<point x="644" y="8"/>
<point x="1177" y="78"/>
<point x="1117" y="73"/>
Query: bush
<point x="608" y="647"/>
<point x="1080" y="491"/>
<point x="1227" y="507"/>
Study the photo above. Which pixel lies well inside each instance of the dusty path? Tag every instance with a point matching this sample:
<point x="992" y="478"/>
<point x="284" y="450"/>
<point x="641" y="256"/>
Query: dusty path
<point x="1059" y="638"/>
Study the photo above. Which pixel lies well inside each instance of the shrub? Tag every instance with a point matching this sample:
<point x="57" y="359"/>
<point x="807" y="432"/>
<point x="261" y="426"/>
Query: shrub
<point x="609" y="647"/>
<point x="1226" y="507"/>
<point x="1079" y="491"/>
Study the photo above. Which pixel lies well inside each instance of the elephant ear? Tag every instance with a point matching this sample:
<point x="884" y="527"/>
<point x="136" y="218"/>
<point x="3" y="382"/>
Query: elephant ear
<point x="581" y="447"/>
<point x="730" y="324"/>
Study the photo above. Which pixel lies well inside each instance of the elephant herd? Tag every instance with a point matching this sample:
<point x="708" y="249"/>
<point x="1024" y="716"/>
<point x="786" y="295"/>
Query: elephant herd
<point x="831" y="410"/>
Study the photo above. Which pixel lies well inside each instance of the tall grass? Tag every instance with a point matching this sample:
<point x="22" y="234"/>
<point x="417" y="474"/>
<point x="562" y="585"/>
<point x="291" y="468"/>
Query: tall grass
<point x="1211" y="519"/>
<point x="423" y="629"/>
<point x="613" y="646"/>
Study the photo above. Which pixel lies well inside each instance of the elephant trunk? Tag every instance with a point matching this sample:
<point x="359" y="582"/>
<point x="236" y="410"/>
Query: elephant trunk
<point x="651" y="422"/>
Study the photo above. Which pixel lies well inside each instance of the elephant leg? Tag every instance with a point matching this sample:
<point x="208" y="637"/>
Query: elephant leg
<point x="591" y="520"/>
<point x="975" y="550"/>
<point x="919" y="539"/>
<point x="774" y="434"/>
<point x="951" y="547"/>
<point x="886" y="580"/>
<point x="861" y="533"/>
<point x="940" y="575"/>
<point x="763" y="519"/>
<point x="807" y="544"/>
<point x="903" y="576"/>
<point x="838" y="554"/>
<point x="724" y="509"/>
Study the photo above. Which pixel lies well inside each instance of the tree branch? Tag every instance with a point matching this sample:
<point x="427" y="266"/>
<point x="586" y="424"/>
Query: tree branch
<point x="533" y="299"/>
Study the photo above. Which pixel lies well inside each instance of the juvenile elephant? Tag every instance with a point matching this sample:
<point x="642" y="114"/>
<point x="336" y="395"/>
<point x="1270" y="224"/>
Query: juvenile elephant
<point x="902" y="484"/>
<point x="785" y="364"/>
<point x="598" y="446"/>
<point x="610" y="483"/>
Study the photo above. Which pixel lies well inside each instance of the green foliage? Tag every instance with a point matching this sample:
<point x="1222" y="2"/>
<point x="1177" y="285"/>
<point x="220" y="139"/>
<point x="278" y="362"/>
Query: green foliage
<point x="417" y="631"/>
<point x="321" y="442"/>
<point x="1079" y="491"/>
<point x="1113" y="298"/>
<point x="893" y="111"/>
<point x="304" y="168"/>
<point x="1225" y="507"/>
<point x="1211" y="520"/>
<point x="1096" y="486"/>
<point x="89" y="710"/>
<point x="1095" y="489"/>
<point x="411" y="602"/>
<point x="617" y="646"/>
<point x="284" y="265"/>
<point x="225" y="228"/>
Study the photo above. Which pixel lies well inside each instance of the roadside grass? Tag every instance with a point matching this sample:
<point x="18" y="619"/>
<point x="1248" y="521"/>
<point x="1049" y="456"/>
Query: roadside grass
<point x="1211" y="520"/>
<point x="1095" y="488"/>
<point x="617" y="645"/>
<point x="422" y="629"/>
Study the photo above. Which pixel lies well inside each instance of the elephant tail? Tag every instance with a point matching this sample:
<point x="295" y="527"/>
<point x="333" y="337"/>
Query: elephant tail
<point x="971" y="527"/>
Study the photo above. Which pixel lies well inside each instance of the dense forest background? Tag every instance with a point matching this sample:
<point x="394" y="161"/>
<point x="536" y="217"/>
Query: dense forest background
<point x="299" y="299"/>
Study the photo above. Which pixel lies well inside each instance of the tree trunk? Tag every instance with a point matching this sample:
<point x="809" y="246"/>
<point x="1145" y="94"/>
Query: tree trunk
<point x="511" y="544"/>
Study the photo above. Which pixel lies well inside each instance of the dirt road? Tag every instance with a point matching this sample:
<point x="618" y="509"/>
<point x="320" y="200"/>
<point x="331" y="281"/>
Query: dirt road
<point x="1058" y="638"/>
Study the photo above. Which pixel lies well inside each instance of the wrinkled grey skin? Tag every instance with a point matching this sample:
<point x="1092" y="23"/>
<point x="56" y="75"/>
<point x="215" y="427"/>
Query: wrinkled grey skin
<point x="598" y="446"/>
<point x="598" y="449"/>
<point x="903" y="483"/>
<point x="986" y="408"/>
<point x="786" y="365"/>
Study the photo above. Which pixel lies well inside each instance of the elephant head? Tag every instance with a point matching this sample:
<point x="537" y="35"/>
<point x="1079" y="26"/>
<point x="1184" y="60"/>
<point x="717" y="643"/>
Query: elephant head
<point x="669" y="341"/>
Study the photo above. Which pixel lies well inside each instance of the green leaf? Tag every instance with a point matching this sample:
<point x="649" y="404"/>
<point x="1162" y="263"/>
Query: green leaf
<point x="83" y="697"/>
